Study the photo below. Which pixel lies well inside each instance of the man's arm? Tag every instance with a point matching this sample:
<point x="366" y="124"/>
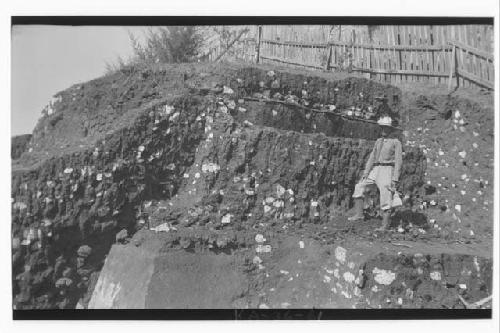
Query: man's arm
<point x="398" y="160"/>
<point x="371" y="160"/>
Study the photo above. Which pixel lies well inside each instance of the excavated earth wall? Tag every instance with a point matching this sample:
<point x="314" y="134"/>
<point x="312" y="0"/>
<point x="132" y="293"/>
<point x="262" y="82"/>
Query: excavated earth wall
<point x="86" y="197"/>
<point x="200" y="175"/>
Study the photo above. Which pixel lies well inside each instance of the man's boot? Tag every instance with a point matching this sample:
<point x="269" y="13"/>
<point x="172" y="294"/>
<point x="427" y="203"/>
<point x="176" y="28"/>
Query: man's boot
<point x="386" y="214"/>
<point x="358" y="210"/>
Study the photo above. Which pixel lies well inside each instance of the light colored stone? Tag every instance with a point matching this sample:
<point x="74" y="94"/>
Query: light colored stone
<point x="382" y="276"/>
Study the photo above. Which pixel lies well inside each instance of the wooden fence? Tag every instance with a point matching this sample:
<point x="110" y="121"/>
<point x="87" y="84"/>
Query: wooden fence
<point x="457" y="55"/>
<point x="217" y="39"/>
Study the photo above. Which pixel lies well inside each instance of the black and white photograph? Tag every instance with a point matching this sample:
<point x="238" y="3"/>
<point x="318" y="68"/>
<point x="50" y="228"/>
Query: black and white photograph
<point x="279" y="168"/>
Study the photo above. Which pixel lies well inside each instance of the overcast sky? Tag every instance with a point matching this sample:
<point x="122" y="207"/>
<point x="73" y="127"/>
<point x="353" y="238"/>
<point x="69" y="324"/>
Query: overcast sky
<point x="48" y="59"/>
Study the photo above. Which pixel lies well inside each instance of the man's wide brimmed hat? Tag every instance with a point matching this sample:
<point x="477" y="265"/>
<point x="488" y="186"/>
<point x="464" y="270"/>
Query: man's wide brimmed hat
<point x="385" y="121"/>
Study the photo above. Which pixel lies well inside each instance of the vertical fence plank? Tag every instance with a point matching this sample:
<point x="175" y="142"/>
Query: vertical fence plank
<point x="410" y="41"/>
<point x="491" y="71"/>
<point x="411" y="53"/>
<point x="423" y="54"/>
<point x="398" y="52"/>
<point x="481" y="46"/>
<point x="403" y="53"/>
<point x="351" y="48"/>
<point x="416" y="42"/>
<point x="465" y="54"/>
<point x="361" y="51"/>
<point x="389" y="60"/>
<point x="446" y="37"/>
<point x="435" y="54"/>
<point x="432" y="53"/>
<point x="444" y="57"/>
<point x="460" y="57"/>
<point x="420" y="54"/>
<point x="384" y="39"/>
<point x="392" y="41"/>
<point x="475" y="59"/>
<point x="468" y="66"/>
<point x="452" y="31"/>
<point x="397" y="41"/>
<point x="450" y="76"/>
<point x="380" y="60"/>
<point x="471" y="41"/>
<point x="453" y="57"/>
<point x="390" y="53"/>
<point x="366" y="54"/>
<point x="259" y="37"/>
<point x="485" y="46"/>
<point x="427" y="54"/>
<point x="474" y="43"/>
<point x="376" y="58"/>
<point x="411" y="36"/>
<point x="384" y="61"/>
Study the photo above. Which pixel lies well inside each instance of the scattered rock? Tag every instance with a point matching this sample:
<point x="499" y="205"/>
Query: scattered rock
<point x="383" y="276"/>
<point x="84" y="251"/>
<point x="121" y="236"/>
<point x="260" y="238"/>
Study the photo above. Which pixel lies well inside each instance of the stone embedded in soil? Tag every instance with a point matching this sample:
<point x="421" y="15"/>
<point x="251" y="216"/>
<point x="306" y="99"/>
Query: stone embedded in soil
<point x="121" y="236"/>
<point x="84" y="251"/>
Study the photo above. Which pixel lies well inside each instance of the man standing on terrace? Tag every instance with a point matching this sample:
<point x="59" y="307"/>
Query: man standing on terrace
<point x="383" y="169"/>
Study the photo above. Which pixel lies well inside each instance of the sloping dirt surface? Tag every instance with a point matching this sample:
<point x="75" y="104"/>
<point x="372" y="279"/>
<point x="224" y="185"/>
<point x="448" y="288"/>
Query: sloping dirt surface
<point x="302" y="272"/>
<point x="457" y="136"/>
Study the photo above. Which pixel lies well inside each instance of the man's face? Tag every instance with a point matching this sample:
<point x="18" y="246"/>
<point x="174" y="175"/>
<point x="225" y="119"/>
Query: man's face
<point x="384" y="131"/>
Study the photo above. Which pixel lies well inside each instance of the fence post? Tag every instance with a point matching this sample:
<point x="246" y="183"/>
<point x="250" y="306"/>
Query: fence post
<point x="329" y="59"/>
<point x="258" y="43"/>
<point x="330" y="51"/>
<point x="455" y="59"/>
<point x="452" y="66"/>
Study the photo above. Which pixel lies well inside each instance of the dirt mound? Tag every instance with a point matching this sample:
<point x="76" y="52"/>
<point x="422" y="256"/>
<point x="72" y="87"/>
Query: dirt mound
<point x="456" y="136"/>
<point x="220" y="168"/>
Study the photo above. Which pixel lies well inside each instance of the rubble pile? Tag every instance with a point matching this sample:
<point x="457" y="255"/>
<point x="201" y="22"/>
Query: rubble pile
<point x="418" y="281"/>
<point x="351" y="94"/>
<point x="456" y="136"/>
<point x="350" y="275"/>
